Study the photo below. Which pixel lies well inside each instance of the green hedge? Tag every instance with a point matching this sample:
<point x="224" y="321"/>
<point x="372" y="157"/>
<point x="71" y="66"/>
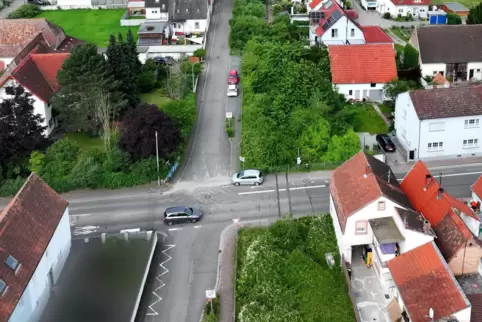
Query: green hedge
<point x="25" y="11"/>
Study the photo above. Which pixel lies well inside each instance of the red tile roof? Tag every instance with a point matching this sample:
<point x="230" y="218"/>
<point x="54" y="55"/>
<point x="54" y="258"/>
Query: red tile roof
<point x="351" y="189"/>
<point x="27" y="225"/>
<point x="315" y="3"/>
<point x="362" y="64"/>
<point x="375" y="34"/>
<point x="411" y="2"/>
<point x="442" y="211"/>
<point x="2" y="65"/>
<point x="424" y="282"/>
<point x="38" y="74"/>
<point x="477" y="187"/>
<point x="328" y="13"/>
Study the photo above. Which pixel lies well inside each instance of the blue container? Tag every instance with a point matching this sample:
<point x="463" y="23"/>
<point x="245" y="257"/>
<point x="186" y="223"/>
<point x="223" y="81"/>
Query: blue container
<point x="437" y="17"/>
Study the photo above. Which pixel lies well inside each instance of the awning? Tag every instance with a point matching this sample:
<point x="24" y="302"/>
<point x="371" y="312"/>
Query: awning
<point x="197" y="40"/>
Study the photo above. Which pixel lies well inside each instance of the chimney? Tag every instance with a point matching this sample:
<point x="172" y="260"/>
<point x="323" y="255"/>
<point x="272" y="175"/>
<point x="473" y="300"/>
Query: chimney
<point x="428" y="180"/>
<point x="426" y="226"/>
<point x="440" y="193"/>
<point x="405" y="222"/>
<point x="368" y="170"/>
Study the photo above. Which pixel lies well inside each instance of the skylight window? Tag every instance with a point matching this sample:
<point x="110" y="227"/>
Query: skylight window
<point x="12" y="262"/>
<point x="3" y="287"/>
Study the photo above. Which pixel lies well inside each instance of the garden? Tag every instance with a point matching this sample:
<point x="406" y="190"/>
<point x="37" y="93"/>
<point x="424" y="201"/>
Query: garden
<point x="282" y="273"/>
<point x="111" y="111"/>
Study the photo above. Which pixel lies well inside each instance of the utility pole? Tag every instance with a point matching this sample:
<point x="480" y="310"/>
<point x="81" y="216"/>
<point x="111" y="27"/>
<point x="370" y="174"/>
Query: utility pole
<point x="157" y="157"/>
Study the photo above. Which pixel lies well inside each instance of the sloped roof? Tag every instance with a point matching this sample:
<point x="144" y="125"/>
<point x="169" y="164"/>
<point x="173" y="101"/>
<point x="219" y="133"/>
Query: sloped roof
<point x="477" y="187"/>
<point x="27" y="225"/>
<point x="424" y="282"/>
<point x="476" y="312"/>
<point x="362" y="64"/>
<point x="375" y="35"/>
<point x="450" y="44"/>
<point x="414" y="221"/>
<point x="411" y="2"/>
<point x="352" y="189"/>
<point x="447" y="102"/>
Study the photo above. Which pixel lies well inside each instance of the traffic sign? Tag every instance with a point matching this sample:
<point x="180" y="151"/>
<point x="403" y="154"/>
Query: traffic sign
<point x="298" y="160"/>
<point x="211" y="294"/>
<point x="229" y="115"/>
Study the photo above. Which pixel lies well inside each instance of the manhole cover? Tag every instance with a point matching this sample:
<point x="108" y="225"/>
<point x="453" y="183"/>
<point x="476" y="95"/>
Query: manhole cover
<point x="207" y="197"/>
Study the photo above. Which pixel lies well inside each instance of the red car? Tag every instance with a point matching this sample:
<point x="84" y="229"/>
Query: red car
<point x="233" y="77"/>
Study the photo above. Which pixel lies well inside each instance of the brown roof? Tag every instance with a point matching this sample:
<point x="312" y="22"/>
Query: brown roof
<point x="424" y="282"/>
<point x="476" y="301"/>
<point x="17" y="33"/>
<point x="450" y="44"/>
<point x="351" y="189"/>
<point x="447" y="102"/>
<point x="27" y="225"/>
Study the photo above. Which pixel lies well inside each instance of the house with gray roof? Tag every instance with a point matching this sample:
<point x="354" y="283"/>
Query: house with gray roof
<point x="455" y="51"/>
<point x="440" y="123"/>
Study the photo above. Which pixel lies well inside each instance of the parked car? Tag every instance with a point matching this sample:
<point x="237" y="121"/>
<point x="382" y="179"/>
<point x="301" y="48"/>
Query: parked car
<point x="162" y="60"/>
<point x="181" y="214"/>
<point x="39" y="2"/>
<point x="247" y="177"/>
<point x="233" y="77"/>
<point x="232" y="90"/>
<point x="385" y="143"/>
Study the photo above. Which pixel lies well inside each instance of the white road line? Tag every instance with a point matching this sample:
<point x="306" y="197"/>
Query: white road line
<point x="161" y="283"/>
<point x="174" y="229"/>
<point x="80" y="215"/>
<point x="198" y="226"/>
<point x="283" y="189"/>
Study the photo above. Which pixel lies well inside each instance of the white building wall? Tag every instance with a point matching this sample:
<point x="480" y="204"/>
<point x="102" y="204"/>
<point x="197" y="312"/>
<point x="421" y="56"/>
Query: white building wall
<point x="413" y="239"/>
<point x="345" y="30"/>
<point x="153" y="13"/>
<point x="77" y="3"/>
<point x="407" y="124"/>
<point x="358" y="89"/>
<point x="472" y="224"/>
<point x="464" y="315"/>
<point x="6" y="60"/>
<point x="433" y="69"/>
<point x="190" y="26"/>
<point x="345" y="251"/>
<point x="36" y="295"/>
<point x="384" y="6"/>
<point x="477" y="67"/>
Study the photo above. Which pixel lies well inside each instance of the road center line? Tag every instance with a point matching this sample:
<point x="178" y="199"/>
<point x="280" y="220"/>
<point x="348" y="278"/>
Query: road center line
<point x="272" y="190"/>
<point x="174" y="229"/>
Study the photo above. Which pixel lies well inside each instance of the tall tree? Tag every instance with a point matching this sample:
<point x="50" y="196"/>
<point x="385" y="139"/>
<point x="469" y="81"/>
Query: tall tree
<point x="341" y="148"/>
<point x="84" y="77"/>
<point x="138" y="135"/>
<point x="21" y="131"/>
<point x="475" y="15"/>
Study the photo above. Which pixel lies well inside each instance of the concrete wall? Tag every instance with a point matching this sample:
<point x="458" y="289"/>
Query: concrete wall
<point x="37" y="293"/>
<point x="359" y="89"/>
<point x="466" y="260"/>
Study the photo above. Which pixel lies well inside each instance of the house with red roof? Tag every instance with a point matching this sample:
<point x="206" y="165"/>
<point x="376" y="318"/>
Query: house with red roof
<point x="415" y="8"/>
<point x="361" y="71"/>
<point x="453" y="221"/>
<point x="477" y="190"/>
<point x="331" y="25"/>
<point x="37" y="74"/>
<point x="35" y="241"/>
<point x="426" y="289"/>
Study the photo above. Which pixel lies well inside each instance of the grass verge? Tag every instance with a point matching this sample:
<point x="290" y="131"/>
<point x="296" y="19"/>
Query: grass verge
<point x="229" y="125"/>
<point x="368" y="120"/>
<point x="93" y="26"/>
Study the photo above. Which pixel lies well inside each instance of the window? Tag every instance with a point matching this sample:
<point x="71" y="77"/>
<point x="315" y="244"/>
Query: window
<point x="400" y="10"/>
<point x="163" y="6"/>
<point x="361" y="227"/>
<point x="350" y="92"/>
<point x="177" y="10"/>
<point x="436" y="126"/>
<point x="472" y="123"/>
<point x="352" y="32"/>
<point x="196" y="25"/>
<point x="3" y="287"/>
<point x="373" y="85"/>
<point x="11" y="262"/>
<point x="334" y="33"/>
<point x="478" y="70"/>
<point x="435" y="146"/>
<point x="435" y="73"/>
<point x="187" y="10"/>
<point x="470" y="143"/>
<point x="381" y="205"/>
<point x="179" y="26"/>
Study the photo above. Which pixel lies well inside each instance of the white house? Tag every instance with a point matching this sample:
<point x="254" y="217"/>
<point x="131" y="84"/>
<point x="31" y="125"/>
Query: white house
<point x="361" y="71"/>
<point x="425" y="288"/>
<point x="440" y="123"/>
<point x="37" y="74"/>
<point x="437" y="44"/>
<point x="368" y="208"/>
<point x="415" y="8"/>
<point x="35" y="242"/>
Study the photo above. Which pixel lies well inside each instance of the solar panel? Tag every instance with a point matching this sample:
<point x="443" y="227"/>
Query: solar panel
<point x="326" y="26"/>
<point x="328" y="4"/>
<point x="336" y="15"/>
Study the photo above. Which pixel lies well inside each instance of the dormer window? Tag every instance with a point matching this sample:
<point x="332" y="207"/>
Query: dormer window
<point x="12" y="262"/>
<point x="3" y="287"/>
<point x="381" y="205"/>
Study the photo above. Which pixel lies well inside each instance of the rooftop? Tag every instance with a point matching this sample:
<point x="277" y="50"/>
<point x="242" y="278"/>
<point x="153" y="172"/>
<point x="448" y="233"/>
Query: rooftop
<point x="447" y="102"/>
<point x="150" y="27"/>
<point x="424" y="281"/>
<point x="385" y="230"/>
<point x="455" y="6"/>
<point x="362" y="64"/>
<point x="27" y="225"/>
<point x="375" y="35"/>
<point x="450" y="43"/>
<point x="477" y="187"/>
<point x="414" y="221"/>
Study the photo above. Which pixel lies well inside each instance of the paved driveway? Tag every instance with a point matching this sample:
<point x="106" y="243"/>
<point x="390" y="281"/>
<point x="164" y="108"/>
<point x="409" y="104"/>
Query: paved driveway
<point x="13" y="6"/>
<point x="373" y="18"/>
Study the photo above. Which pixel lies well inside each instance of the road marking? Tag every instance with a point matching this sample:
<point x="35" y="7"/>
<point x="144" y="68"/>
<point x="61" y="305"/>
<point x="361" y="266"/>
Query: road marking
<point x="283" y="189"/>
<point x="198" y="226"/>
<point x="86" y="230"/>
<point x="174" y="229"/>
<point x="161" y="283"/>
<point x="81" y="215"/>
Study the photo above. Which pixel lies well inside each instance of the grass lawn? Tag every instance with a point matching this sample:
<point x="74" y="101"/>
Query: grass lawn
<point x="93" y="26"/>
<point x="368" y="120"/>
<point x="156" y="97"/>
<point x="85" y="141"/>
<point x="467" y="3"/>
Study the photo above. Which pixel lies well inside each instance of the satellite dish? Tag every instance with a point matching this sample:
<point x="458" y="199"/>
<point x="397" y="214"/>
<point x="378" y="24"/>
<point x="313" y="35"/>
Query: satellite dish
<point x="430" y="313"/>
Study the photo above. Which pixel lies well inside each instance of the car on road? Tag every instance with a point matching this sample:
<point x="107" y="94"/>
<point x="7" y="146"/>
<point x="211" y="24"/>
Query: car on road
<point x="233" y="77"/>
<point x="247" y="177"/>
<point x="232" y="90"/>
<point x="385" y="143"/>
<point x="181" y="214"/>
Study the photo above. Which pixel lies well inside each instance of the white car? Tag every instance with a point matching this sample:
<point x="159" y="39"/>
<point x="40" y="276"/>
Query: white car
<point x="232" y="90"/>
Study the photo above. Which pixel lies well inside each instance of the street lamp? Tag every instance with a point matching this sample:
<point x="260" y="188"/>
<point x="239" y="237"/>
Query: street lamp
<point x="192" y="73"/>
<point x="157" y="156"/>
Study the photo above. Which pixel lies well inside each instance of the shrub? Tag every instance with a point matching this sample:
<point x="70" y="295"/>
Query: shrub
<point x="183" y="113"/>
<point x="453" y="19"/>
<point x="348" y="4"/>
<point x="148" y="76"/>
<point x="387" y="15"/>
<point x="25" y="11"/>
<point x="201" y="53"/>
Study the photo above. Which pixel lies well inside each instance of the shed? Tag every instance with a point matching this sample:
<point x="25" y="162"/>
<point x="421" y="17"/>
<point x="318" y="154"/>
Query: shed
<point x="455" y="7"/>
<point x="438" y="17"/>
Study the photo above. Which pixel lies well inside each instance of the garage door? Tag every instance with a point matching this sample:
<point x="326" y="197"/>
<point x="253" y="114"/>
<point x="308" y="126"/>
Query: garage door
<point x="376" y="95"/>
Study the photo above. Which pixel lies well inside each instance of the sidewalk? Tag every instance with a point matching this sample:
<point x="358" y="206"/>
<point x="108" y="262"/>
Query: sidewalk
<point x="226" y="270"/>
<point x="13" y="6"/>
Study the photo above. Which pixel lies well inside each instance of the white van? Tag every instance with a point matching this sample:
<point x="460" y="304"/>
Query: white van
<point x="232" y="90"/>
